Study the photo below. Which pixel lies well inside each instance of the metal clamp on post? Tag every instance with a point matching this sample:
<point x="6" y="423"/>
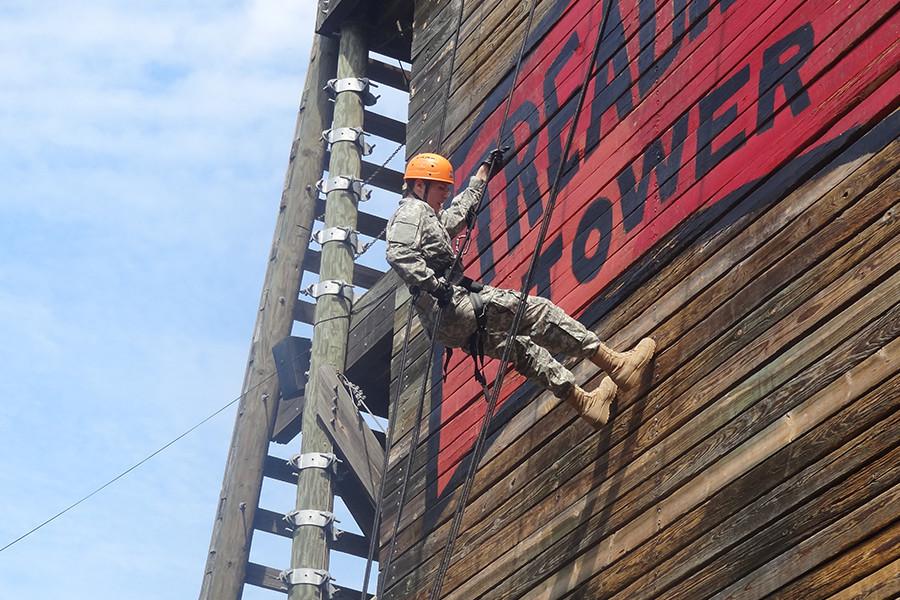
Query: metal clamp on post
<point x="346" y="184"/>
<point x="331" y="287"/>
<point x="315" y="460"/>
<point x="359" y="85"/>
<point x="339" y="234"/>
<point x="315" y="577"/>
<point x="313" y="518"/>
<point x="349" y="134"/>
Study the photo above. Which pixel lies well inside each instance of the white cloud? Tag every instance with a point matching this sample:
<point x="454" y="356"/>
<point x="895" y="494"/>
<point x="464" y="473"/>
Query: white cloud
<point x="142" y="151"/>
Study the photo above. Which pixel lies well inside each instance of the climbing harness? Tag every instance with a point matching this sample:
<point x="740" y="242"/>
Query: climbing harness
<point x="475" y="343"/>
<point x="520" y="311"/>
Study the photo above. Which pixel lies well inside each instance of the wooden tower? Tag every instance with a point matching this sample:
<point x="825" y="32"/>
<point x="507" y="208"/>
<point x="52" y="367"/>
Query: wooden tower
<point x="732" y="192"/>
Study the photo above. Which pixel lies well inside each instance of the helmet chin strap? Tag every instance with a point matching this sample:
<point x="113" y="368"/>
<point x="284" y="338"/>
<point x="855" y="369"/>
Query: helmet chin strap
<point x="412" y="189"/>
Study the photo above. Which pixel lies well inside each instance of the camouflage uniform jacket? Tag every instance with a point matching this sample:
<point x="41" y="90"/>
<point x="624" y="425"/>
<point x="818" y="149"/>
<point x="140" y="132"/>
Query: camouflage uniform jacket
<point x="419" y="248"/>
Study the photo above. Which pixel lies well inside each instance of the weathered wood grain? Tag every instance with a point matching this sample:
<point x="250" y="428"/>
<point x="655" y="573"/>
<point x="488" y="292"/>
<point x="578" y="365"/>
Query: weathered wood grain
<point x="859" y="562"/>
<point x="748" y="504"/>
<point x="564" y="301"/>
<point x="884" y="584"/>
<point x="728" y="468"/>
<point x="778" y="535"/>
<point x="851" y="529"/>
<point x="817" y="276"/>
<point x="520" y="523"/>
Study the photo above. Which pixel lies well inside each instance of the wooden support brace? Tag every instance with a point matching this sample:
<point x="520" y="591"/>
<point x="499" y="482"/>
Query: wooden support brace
<point x="351" y="436"/>
<point x="388" y="75"/>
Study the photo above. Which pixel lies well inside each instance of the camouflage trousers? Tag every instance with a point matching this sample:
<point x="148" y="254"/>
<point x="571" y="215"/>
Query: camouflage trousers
<point x="545" y="330"/>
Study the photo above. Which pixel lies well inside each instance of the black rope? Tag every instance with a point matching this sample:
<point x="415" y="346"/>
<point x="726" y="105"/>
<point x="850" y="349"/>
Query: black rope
<point x="438" y="318"/>
<point x="520" y="311"/>
<point x="392" y="423"/>
<point x="401" y="373"/>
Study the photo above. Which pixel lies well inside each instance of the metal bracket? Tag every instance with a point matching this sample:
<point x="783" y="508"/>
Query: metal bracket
<point x="331" y="287"/>
<point x="315" y="460"/>
<point x="339" y="234"/>
<point x="314" y="518"/>
<point x="349" y="134"/>
<point x="359" y="85"/>
<point x="347" y="184"/>
<point x="316" y="577"/>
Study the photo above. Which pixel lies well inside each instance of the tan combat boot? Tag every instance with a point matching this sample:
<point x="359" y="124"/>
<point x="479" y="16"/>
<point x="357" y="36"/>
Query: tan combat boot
<point x="626" y="368"/>
<point x="594" y="406"/>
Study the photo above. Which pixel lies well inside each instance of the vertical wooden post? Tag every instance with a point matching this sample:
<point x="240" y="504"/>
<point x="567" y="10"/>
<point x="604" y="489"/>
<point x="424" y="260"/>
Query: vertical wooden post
<point x="329" y="344"/>
<point x="229" y="548"/>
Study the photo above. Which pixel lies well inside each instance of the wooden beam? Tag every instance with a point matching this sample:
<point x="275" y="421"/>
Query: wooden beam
<point x="268" y="578"/>
<point x="315" y="491"/>
<point x="385" y="127"/>
<point x="274" y="523"/>
<point x="349" y="433"/>
<point x="370" y="225"/>
<point x="304" y="312"/>
<point x="373" y="319"/>
<point x="389" y="75"/>
<point x="363" y="276"/>
<point x="229" y="547"/>
<point x="384" y="178"/>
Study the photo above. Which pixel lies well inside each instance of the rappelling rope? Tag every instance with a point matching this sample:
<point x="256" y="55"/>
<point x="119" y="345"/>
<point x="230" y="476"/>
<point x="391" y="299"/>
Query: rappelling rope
<point x="401" y="373"/>
<point x="520" y="311"/>
<point x="385" y="568"/>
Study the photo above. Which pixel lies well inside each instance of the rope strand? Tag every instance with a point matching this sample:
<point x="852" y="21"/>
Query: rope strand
<point x="520" y="311"/>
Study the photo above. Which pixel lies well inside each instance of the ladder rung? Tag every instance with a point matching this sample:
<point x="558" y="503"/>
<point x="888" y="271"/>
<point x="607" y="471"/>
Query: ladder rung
<point x="363" y="276"/>
<point x="388" y="75"/>
<point x="366" y="224"/>
<point x="386" y="127"/>
<point x="305" y="312"/>
<point x="385" y="178"/>
<point x="274" y="523"/>
<point x="267" y="578"/>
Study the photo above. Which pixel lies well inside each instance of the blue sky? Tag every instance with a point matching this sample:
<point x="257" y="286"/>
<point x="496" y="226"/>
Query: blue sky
<point x="142" y="154"/>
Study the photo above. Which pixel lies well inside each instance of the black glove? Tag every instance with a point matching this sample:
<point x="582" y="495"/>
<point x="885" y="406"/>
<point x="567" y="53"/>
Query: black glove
<point x="443" y="293"/>
<point x="494" y="162"/>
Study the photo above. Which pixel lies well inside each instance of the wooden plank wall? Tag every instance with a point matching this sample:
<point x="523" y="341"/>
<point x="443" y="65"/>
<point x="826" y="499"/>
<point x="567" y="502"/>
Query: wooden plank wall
<point x="733" y="193"/>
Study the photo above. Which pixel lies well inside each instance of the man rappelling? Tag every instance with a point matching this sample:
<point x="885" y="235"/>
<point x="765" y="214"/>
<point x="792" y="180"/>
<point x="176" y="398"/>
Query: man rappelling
<point x="477" y="317"/>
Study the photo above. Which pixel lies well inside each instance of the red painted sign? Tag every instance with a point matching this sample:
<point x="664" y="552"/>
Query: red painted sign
<point x="690" y="101"/>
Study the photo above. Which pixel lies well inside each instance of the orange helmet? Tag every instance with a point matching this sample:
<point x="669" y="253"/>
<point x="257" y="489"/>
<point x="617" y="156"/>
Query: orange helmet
<point x="430" y="167"/>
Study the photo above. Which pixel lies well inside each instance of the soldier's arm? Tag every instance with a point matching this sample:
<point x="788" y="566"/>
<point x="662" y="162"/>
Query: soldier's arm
<point x="404" y="254"/>
<point x="454" y="217"/>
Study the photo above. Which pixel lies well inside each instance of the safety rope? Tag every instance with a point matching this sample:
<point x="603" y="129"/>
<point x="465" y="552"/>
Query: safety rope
<point x="401" y="373"/>
<point x="520" y="311"/>
<point x="414" y="441"/>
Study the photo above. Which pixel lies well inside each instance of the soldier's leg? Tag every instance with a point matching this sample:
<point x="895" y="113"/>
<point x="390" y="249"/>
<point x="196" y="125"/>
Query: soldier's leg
<point x="536" y="363"/>
<point x="549" y="326"/>
<point x="545" y="323"/>
<point x="532" y="361"/>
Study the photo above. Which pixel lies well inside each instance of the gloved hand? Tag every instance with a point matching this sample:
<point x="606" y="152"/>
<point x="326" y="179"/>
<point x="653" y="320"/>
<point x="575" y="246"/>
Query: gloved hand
<point x="494" y="161"/>
<point x="443" y="293"/>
